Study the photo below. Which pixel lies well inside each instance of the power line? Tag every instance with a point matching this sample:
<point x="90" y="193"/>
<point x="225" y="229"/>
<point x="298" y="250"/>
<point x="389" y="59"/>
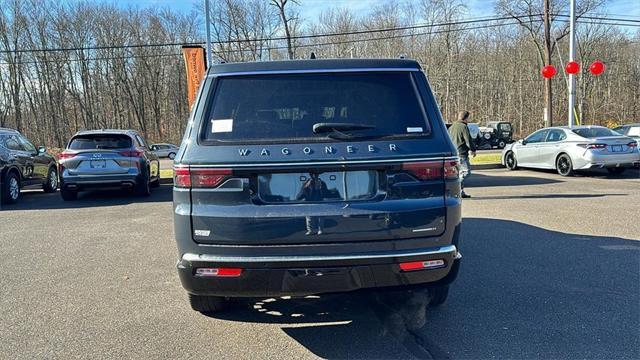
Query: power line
<point x="310" y="36"/>
<point x="348" y="41"/>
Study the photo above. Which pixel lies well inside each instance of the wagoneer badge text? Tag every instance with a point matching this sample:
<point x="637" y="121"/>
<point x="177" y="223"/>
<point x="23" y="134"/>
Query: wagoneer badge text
<point x="349" y="149"/>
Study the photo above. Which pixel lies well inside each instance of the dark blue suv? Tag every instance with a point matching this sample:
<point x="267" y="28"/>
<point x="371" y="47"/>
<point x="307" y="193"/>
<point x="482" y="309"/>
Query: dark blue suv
<point x="315" y="176"/>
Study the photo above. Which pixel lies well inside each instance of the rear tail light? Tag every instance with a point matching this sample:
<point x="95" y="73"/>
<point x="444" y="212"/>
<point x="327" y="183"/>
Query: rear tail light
<point x="66" y="155"/>
<point x="433" y="170"/>
<point x="218" y="272"/>
<point x="632" y="144"/>
<point x="132" y="153"/>
<point x="199" y="178"/>
<point x="421" y="265"/>
<point x="593" y="146"/>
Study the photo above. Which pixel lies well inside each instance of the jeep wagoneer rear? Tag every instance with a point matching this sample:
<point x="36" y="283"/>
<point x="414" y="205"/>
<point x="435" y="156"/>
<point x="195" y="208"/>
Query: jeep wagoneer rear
<point x="315" y="176"/>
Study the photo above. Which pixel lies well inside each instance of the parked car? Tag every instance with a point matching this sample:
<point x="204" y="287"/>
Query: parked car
<point x="23" y="165"/>
<point x="164" y="150"/>
<point x="315" y="176"/>
<point x="102" y="159"/>
<point x="567" y="149"/>
<point x="630" y="130"/>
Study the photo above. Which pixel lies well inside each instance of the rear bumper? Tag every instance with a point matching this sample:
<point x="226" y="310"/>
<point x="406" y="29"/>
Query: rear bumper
<point x="307" y="275"/>
<point x="610" y="161"/>
<point x="83" y="182"/>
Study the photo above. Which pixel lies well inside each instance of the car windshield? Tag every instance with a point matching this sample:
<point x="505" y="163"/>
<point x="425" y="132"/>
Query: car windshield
<point x="595" y="132"/>
<point x="100" y="141"/>
<point x="285" y="107"/>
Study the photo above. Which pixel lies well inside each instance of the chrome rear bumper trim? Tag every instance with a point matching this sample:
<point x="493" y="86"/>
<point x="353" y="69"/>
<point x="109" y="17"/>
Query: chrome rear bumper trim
<point x="449" y="249"/>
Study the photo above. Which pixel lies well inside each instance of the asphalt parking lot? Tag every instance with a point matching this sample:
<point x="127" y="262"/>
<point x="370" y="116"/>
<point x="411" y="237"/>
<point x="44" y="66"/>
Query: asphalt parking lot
<point x="551" y="269"/>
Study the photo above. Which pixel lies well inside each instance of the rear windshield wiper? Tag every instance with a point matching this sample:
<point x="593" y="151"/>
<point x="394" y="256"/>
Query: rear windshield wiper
<point x="337" y="127"/>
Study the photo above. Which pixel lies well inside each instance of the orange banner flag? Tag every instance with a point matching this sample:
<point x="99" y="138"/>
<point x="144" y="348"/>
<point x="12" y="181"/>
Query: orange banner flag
<point x="194" y="61"/>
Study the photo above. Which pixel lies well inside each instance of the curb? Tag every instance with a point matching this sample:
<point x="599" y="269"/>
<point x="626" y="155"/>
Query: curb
<point x="486" y="166"/>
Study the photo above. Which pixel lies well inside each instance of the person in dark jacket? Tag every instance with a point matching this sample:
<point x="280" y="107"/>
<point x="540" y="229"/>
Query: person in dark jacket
<point x="461" y="138"/>
<point x="314" y="189"/>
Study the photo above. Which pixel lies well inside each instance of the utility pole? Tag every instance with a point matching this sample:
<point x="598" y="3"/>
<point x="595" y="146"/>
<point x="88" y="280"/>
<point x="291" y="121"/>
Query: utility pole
<point x="572" y="57"/>
<point x="208" y="25"/>
<point x="548" y="110"/>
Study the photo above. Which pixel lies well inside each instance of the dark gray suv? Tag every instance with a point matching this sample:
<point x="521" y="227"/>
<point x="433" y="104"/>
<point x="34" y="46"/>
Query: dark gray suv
<point x="100" y="159"/>
<point x="23" y="165"/>
<point x="315" y="176"/>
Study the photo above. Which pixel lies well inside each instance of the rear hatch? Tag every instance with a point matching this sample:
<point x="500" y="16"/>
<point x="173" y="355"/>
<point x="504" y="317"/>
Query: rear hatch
<point x="98" y="154"/>
<point x="308" y="158"/>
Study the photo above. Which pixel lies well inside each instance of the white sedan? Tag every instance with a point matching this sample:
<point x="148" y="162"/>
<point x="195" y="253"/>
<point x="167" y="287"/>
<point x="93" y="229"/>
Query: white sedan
<point x="567" y="149"/>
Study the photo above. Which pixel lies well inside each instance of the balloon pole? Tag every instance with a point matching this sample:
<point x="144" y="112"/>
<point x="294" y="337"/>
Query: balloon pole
<point x="572" y="57"/>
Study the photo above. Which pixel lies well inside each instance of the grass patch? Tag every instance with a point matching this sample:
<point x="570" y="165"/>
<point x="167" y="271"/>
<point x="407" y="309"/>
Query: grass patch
<point x="485" y="159"/>
<point x="166" y="173"/>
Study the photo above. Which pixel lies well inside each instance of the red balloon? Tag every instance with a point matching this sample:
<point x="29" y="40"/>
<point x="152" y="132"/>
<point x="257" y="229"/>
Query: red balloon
<point x="548" y="71"/>
<point x="597" y="67"/>
<point x="572" y="67"/>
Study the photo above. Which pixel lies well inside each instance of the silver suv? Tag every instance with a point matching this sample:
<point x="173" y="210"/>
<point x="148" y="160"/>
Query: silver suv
<point x="107" y="159"/>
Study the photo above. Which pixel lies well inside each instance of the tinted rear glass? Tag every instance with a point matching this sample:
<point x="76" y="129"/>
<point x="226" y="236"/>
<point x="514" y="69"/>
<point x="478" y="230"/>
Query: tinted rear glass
<point x="595" y="132"/>
<point x="100" y="141"/>
<point x="285" y="107"/>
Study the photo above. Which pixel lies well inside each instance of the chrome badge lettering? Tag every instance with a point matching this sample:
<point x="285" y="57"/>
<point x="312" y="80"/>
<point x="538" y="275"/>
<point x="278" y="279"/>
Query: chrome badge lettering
<point x="328" y="149"/>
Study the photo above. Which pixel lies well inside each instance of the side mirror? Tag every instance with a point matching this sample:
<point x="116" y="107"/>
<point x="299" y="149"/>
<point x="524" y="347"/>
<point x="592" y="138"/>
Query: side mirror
<point x="41" y="150"/>
<point x="523" y="141"/>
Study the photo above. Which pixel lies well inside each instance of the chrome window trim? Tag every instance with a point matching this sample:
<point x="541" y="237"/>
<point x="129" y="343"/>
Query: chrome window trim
<point x="258" y="259"/>
<point x="313" y="163"/>
<point x="310" y="71"/>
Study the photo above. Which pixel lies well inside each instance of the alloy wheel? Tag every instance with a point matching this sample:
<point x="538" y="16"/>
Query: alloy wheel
<point x="14" y="188"/>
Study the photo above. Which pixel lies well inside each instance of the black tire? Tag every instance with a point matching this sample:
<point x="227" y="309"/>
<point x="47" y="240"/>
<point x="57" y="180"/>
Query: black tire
<point x="564" y="166"/>
<point x="68" y="195"/>
<point x="616" y="171"/>
<point x="51" y="183"/>
<point x="172" y="155"/>
<point x="143" y="188"/>
<point x="501" y="144"/>
<point x="10" y="188"/>
<point x="438" y="295"/>
<point x="510" y="161"/>
<point x="208" y="304"/>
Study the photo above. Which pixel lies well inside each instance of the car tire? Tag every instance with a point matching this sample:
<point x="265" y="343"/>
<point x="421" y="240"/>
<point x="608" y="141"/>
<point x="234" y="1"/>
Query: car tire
<point x="156" y="183"/>
<point x="510" y="161"/>
<point x="51" y="183"/>
<point x="564" y="166"/>
<point x="10" y="188"/>
<point x="438" y="295"/>
<point x="172" y="156"/>
<point x="143" y="188"/>
<point x="501" y="144"/>
<point x="68" y="195"/>
<point x="208" y="304"/>
<point x="616" y="171"/>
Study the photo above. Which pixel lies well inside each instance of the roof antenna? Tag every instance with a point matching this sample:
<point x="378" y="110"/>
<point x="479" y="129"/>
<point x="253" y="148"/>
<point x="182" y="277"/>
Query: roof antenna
<point x="313" y="55"/>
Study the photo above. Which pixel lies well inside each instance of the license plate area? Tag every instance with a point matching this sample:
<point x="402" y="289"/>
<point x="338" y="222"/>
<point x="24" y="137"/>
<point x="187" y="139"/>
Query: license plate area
<point x="616" y="148"/>
<point x="305" y="187"/>
<point x="98" y="164"/>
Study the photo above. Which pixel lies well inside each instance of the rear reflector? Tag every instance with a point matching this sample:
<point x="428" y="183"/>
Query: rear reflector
<point x="421" y="265"/>
<point x="218" y="272"/>
<point x="199" y="178"/>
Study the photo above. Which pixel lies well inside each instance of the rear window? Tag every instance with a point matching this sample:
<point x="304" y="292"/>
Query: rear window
<point x="273" y="108"/>
<point x="100" y="141"/>
<point x="595" y="132"/>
